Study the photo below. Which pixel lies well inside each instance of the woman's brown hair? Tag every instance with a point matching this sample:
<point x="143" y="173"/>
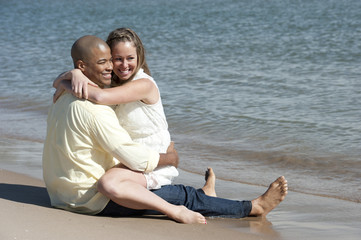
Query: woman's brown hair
<point x="128" y="35"/>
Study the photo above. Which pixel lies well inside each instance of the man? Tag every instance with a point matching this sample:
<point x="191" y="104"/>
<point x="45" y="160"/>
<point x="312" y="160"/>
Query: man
<point x="85" y="142"/>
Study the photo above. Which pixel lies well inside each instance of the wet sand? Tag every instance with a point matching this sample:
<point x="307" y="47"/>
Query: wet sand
<point x="26" y="212"/>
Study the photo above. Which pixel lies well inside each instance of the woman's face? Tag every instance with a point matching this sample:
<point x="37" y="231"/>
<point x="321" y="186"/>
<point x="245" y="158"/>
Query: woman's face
<point x="124" y="57"/>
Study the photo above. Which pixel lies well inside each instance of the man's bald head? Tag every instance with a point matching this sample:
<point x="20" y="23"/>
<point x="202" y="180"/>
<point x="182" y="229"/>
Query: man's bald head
<point x="83" y="48"/>
<point x="93" y="57"/>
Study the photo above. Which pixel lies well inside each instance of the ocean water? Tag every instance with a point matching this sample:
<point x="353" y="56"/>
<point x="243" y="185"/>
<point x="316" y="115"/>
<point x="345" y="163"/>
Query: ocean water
<point x="254" y="89"/>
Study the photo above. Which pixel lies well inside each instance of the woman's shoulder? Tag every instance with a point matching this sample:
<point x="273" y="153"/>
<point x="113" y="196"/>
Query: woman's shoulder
<point x="141" y="74"/>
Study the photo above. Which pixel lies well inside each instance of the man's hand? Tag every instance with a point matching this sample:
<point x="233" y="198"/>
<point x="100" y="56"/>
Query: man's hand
<point x="170" y="158"/>
<point x="173" y="154"/>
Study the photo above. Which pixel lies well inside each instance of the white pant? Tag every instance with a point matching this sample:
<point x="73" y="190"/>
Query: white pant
<point x="160" y="176"/>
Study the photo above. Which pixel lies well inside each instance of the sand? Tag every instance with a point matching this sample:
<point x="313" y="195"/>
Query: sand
<point x="26" y="214"/>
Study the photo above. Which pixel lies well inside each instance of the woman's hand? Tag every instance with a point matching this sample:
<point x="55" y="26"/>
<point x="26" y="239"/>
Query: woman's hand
<point x="79" y="84"/>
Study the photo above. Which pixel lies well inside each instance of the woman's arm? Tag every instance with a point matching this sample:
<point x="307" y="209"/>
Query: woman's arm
<point x="61" y="77"/>
<point x="142" y="89"/>
<point x="79" y="82"/>
<point x="62" y="86"/>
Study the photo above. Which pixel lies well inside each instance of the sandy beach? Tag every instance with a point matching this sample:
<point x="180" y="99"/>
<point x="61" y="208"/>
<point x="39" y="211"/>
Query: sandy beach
<point x="26" y="214"/>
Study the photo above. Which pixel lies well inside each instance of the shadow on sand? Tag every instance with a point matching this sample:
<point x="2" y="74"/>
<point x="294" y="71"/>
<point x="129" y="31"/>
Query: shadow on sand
<point x="25" y="194"/>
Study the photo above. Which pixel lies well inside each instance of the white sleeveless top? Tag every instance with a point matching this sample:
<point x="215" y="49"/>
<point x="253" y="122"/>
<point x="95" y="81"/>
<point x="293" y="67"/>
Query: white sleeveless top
<point x="147" y="124"/>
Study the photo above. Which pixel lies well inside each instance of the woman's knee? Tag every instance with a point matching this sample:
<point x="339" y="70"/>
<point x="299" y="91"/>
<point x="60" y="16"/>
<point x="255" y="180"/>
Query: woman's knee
<point x="116" y="180"/>
<point x="104" y="185"/>
<point x="107" y="184"/>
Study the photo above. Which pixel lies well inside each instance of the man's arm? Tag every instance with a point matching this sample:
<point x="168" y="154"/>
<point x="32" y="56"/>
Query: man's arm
<point x="113" y="139"/>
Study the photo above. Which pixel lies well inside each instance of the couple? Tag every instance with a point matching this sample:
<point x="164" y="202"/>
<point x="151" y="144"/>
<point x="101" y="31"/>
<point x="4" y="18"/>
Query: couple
<point x="91" y="165"/>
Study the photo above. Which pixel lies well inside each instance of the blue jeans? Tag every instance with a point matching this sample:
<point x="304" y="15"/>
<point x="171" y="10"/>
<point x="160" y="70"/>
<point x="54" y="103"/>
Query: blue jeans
<point x="193" y="199"/>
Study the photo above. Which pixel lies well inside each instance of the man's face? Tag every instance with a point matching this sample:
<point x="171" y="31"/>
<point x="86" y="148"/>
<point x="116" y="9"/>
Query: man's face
<point x="99" y="66"/>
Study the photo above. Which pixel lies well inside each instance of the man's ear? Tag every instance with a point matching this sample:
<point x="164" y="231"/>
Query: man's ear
<point x="81" y="65"/>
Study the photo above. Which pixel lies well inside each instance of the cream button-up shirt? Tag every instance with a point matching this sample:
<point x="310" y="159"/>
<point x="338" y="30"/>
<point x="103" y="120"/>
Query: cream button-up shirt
<point x="83" y="141"/>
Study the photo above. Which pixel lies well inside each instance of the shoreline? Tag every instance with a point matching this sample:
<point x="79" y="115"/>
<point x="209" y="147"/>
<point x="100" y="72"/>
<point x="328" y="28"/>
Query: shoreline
<point x="23" y="155"/>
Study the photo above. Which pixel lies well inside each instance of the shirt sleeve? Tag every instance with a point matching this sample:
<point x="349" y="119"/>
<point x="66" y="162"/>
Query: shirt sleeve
<point x="115" y="140"/>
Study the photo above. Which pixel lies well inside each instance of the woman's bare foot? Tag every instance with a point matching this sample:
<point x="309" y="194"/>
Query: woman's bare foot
<point x="274" y="195"/>
<point x="209" y="187"/>
<point x="182" y="214"/>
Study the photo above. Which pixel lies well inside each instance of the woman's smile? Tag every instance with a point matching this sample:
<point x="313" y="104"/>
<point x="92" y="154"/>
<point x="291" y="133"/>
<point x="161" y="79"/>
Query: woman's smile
<point x="124" y="60"/>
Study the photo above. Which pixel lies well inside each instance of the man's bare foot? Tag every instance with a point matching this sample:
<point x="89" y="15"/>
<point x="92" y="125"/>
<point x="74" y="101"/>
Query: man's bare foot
<point x="209" y="187"/>
<point x="274" y="195"/>
<point x="184" y="215"/>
